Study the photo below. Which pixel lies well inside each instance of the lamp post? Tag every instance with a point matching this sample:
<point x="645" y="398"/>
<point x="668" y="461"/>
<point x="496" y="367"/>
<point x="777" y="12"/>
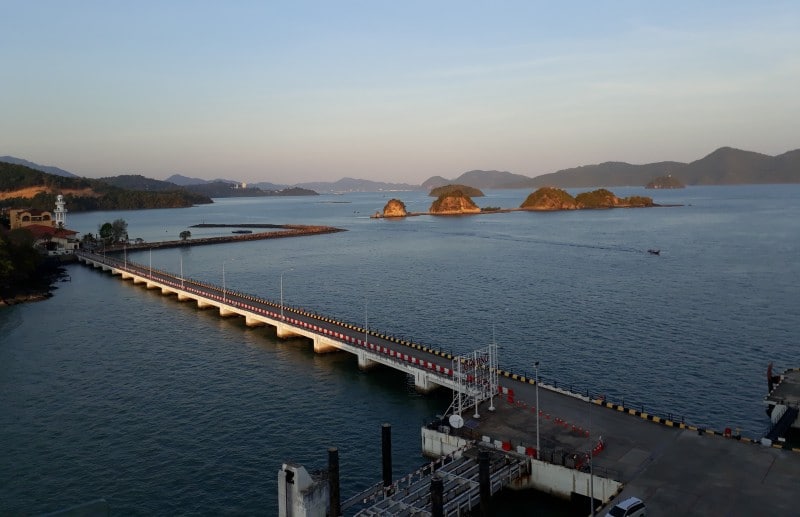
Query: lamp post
<point x="282" y="272"/>
<point x="125" y="252"/>
<point x="366" y="320"/>
<point x="181" y="257"/>
<point x="591" y="453"/>
<point x="151" y="263"/>
<point x="536" y="366"/>
<point x="224" y="290"/>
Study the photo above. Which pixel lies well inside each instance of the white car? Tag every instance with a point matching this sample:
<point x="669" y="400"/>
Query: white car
<point x="630" y="507"/>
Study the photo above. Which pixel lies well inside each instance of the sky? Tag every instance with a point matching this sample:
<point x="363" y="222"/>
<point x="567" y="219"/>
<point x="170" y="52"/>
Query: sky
<point x="300" y="91"/>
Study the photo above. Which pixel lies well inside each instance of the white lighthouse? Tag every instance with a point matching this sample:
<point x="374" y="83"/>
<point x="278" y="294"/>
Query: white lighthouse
<point x="60" y="212"/>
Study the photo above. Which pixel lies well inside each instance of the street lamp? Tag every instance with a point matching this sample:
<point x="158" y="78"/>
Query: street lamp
<point x="282" y="272"/>
<point x="224" y="290"/>
<point x="591" y="451"/>
<point x="151" y="263"/>
<point x="536" y="366"/>
<point x="181" y="257"/>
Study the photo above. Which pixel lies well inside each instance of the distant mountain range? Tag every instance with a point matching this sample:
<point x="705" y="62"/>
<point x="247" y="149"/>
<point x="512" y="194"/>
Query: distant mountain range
<point x="725" y="166"/>
<point x="356" y="185"/>
<point x="49" y="169"/>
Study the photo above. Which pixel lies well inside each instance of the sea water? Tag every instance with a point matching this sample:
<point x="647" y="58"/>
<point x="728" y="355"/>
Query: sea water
<point x="109" y="390"/>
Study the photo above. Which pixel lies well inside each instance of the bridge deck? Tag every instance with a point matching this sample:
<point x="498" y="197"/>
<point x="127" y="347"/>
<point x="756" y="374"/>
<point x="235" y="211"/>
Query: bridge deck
<point x="677" y="469"/>
<point x="429" y="367"/>
<point x="787" y="392"/>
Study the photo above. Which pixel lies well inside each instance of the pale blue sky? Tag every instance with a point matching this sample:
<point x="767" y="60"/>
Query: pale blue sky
<point x="394" y="91"/>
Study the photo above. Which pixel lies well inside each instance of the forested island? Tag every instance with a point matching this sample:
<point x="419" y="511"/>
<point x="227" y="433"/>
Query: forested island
<point x="550" y="198"/>
<point x="453" y="188"/>
<point x="456" y="202"/>
<point x="668" y="181"/>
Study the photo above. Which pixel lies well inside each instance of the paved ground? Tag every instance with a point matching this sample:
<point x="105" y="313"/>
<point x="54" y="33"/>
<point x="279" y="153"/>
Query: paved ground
<point x="676" y="471"/>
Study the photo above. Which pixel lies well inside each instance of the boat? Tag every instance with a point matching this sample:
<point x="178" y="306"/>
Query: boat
<point x="242" y="231"/>
<point x="654" y="252"/>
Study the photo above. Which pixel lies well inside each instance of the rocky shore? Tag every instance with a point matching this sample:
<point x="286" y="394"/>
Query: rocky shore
<point x="49" y="274"/>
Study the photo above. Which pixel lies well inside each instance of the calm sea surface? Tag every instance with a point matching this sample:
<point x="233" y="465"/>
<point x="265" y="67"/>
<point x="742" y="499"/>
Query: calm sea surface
<point x="110" y="390"/>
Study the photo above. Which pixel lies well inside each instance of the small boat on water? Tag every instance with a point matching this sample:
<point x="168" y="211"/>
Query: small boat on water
<point x="242" y="231"/>
<point x="654" y="252"/>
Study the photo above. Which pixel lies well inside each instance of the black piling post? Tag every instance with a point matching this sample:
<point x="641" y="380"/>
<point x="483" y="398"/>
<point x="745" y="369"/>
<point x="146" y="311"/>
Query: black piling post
<point x="484" y="481"/>
<point x="333" y="483"/>
<point x="386" y="452"/>
<point x="437" y="496"/>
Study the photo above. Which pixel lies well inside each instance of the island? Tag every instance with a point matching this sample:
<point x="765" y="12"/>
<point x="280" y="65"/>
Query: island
<point x="394" y="208"/>
<point x="448" y="189"/>
<point x="668" y="181"/>
<point x="454" y="202"/>
<point x="550" y="198"/>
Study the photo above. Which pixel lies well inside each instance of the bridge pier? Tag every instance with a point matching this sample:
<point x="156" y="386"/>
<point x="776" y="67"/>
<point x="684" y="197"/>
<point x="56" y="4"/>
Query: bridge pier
<point x="126" y="276"/>
<point x="166" y="291"/>
<point x="226" y="313"/>
<point x="204" y="305"/>
<point x="152" y="285"/>
<point x="253" y="322"/>
<point x="323" y="345"/>
<point x="184" y="297"/>
<point x="138" y="280"/>
<point x="365" y="363"/>
<point x="422" y="382"/>
<point x="284" y="331"/>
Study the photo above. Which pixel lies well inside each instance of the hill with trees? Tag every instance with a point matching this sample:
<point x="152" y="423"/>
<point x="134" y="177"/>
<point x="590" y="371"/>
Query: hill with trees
<point x="483" y="179"/>
<point x="549" y="198"/>
<point x="22" y="186"/>
<point x="223" y="189"/>
<point x="139" y="182"/>
<point x="669" y="181"/>
<point x="454" y="202"/>
<point x="462" y="189"/>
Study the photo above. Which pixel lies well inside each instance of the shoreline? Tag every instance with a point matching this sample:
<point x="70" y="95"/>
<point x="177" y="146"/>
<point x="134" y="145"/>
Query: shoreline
<point x="53" y="270"/>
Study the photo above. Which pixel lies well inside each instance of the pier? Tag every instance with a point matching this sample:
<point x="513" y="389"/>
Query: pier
<point x="574" y="445"/>
<point x="429" y="368"/>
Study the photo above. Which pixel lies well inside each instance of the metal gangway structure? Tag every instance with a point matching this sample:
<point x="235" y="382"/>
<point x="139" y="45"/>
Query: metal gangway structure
<point x="460" y="490"/>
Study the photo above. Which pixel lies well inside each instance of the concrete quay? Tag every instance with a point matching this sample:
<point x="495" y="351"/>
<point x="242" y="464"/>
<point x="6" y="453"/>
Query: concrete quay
<point x="677" y="469"/>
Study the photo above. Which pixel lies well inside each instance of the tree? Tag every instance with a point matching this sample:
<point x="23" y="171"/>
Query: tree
<point x="186" y="234"/>
<point x="114" y="232"/>
<point x="18" y="259"/>
<point x="106" y="233"/>
<point x="120" y="229"/>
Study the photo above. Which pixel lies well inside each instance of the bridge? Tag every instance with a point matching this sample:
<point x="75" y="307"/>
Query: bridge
<point x="430" y="368"/>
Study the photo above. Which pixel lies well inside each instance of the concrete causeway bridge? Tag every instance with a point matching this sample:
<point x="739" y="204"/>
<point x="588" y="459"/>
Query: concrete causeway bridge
<point x="430" y="368"/>
<point x="563" y="443"/>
